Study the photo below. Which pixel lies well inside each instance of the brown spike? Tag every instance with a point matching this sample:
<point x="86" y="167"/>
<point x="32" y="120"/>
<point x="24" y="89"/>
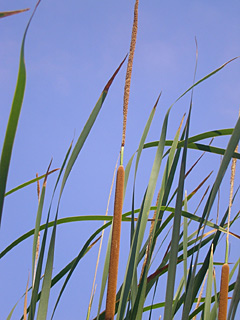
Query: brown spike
<point x="115" y="246"/>
<point x="114" y="75"/>
<point x="223" y="300"/>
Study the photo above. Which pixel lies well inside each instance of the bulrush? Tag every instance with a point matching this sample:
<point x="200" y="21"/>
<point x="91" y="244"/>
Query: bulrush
<point x="117" y="217"/>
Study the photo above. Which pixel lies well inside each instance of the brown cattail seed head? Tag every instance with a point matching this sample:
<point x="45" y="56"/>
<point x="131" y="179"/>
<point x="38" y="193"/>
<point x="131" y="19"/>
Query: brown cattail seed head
<point x="115" y="246"/>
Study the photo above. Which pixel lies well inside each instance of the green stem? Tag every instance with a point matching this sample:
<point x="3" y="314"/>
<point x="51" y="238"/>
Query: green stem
<point x="121" y="155"/>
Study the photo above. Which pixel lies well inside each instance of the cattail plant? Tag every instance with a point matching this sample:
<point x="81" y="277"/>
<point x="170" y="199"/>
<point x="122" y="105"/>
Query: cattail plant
<point x="223" y="299"/>
<point x="118" y="204"/>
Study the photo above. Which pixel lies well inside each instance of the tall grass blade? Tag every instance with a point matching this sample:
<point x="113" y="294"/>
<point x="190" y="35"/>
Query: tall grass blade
<point x="144" y="136"/>
<point x="9" y="317"/>
<point x="25" y="301"/>
<point x="175" y="232"/>
<point x="130" y="269"/>
<point x="140" y="298"/>
<point x="197" y="281"/>
<point x="234" y="269"/>
<point x="155" y="225"/>
<point x="127" y="172"/>
<point x="196" y="138"/>
<point x="206" y="77"/>
<point x="139" y="152"/>
<point x="223" y="167"/>
<point x="62" y="273"/>
<point x="73" y="157"/>
<point x="209" y="288"/>
<point x="81" y="140"/>
<point x="142" y="221"/>
<point x="178" y="293"/>
<point x="194" y="146"/>
<point x="75" y="262"/>
<point x="185" y="241"/>
<point x="37" y="224"/>
<point x="13" y="119"/>
<point x="35" y="297"/>
<point x="213" y="314"/>
<point x="46" y="286"/>
<point x="103" y="218"/>
<point x="87" y="128"/>
<point x="25" y="184"/>
<point x="235" y="299"/>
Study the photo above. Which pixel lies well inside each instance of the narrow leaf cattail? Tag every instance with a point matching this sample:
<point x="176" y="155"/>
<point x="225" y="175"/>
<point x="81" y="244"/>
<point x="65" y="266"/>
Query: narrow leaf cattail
<point x="223" y="300"/>
<point x="115" y="245"/>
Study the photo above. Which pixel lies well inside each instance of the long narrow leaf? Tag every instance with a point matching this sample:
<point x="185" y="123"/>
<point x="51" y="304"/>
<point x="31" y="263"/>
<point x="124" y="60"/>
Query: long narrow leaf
<point x="235" y="298"/>
<point x="209" y="288"/>
<point x="25" y="184"/>
<point x="175" y="236"/>
<point x="141" y="224"/>
<point x="87" y="128"/>
<point x="139" y="152"/>
<point x="201" y="273"/>
<point x="194" y="146"/>
<point x="34" y="297"/>
<point x="223" y="167"/>
<point x="37" y="224"/>
<point x="106" y="218"/>
<point x="185" y="240"/>
<point x="13" y="119"/>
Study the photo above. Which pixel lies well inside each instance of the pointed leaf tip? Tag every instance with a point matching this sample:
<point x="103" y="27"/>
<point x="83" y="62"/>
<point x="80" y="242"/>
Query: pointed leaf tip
<point x="155" y="106"/>
<point x="114" y="75"/>
<point x="47" y="173"/>
<point x="10" y="13"/>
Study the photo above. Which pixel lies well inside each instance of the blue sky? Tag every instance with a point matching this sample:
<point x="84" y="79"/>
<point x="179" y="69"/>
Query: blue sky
<point x="72" y="49"/>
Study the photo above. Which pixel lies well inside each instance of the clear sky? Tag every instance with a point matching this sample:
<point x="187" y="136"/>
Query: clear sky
<point x="72" y="49"/>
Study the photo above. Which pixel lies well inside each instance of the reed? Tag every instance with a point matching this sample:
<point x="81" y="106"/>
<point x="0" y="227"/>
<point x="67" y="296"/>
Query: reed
<point x="117" y="217"/>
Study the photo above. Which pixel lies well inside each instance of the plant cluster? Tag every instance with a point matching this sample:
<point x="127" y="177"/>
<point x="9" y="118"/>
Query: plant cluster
<point x="182" y="247"/>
